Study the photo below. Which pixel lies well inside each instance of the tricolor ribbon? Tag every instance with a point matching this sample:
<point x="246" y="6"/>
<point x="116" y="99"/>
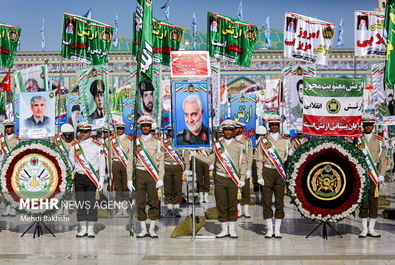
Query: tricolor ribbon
<point x="86" y="166"/>
<point x="119" y="151"/>
<point x="5" y="149"/>
<point x="173" y="153"/>
<point x="273" y="155"/>
<point x="146" y="160"/>
<point x="368" y="158"/>
<point x="227" y="162"/>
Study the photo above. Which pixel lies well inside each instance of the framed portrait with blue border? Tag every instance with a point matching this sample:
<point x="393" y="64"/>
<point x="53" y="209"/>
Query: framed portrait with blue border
<point x="190" y="113"/>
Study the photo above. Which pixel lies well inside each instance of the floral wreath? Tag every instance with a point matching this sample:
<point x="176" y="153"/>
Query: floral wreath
<point x="343" y="155"/>
<point x="62" y="180"/>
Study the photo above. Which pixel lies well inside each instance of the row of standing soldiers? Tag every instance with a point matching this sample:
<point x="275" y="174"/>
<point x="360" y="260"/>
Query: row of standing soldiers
<point x="157" y="163"/>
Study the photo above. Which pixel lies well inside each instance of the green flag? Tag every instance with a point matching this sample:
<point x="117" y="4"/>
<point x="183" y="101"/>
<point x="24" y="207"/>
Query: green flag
<point x="230" y="39"/>
<point x="9" y="38"/>
<point x="143" y="34"/>
<point x="389" y="76"/>
<point x="94" y="94"/>
<point x="166" y="38"/>
<point x="86" y="40"/>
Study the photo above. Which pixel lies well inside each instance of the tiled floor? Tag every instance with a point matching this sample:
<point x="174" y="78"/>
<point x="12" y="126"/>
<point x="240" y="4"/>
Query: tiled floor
<point x="113" y="244"/>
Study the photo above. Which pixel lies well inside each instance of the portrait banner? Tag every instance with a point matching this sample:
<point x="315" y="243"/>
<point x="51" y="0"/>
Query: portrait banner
<point x="149" y="97"/>
<point x="242" y="109"/>
<point x="32" y="79"/>
<point x="166" y="103"/>
<point x="166" y="38"/>
<point x="215" y="93"/>
<point x="8" y="44"/>
<point x="230" y="39"/>
<point x="271" y="96"/>
<point x="389" y="25"/>
<point x="37" y="117"/>
<point x="332" y="106"/>
<point x="74" y="111"/>
<point x="307" y="38"/>
<point x="369" y="34"/>
<point x="127" y="114"/>
<point x="381" y="106"/>
<point x="293" y="93"/>
<point x="94" y="94"/>
<point x="86" y="40"/>
<point x="191" y="114"/>
<point x="190" y="64"/>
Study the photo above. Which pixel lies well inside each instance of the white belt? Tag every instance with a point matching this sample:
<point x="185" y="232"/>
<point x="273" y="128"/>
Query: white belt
<point x="141" y="168"/>
<point x="269" y="166"/>
<point x="116" y="159"/>
<point x="171" y="163"/>
<point x="221" y="174"/>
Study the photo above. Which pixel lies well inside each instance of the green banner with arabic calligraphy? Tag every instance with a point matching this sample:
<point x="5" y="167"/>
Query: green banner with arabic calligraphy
<point x="86" y="40"/>
<point x="167" y="38"/>
<point x="143" y="39"/>
<point x="9" y="38"/>
<point x="389" y="76"/>
<point x="230" y="39"/>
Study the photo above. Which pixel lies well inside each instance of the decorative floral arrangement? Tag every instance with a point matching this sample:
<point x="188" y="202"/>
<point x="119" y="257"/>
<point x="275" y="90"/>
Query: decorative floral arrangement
<point x="341" y="154"/>
<point x="59" y="175"/>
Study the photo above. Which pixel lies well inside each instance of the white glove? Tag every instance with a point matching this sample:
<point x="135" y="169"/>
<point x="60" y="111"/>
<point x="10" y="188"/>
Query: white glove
<point x="211" y="167"/>
<point x="130" y="185"/>
<point x="381" y="178"/>
<point x="261" y="182"/>
<point x="192" y="153"/>
<point x="241" y="184"/>
<point x="187" y="173"/>
<point x="159" y="184"/>
<point x="249" y="174"/>
<point x="101" y="184"/>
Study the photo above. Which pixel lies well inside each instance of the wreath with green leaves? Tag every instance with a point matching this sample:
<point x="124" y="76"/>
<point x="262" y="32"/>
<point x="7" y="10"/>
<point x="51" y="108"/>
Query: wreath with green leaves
<point x="327" y="178"/>
<point x="35" y="170"/>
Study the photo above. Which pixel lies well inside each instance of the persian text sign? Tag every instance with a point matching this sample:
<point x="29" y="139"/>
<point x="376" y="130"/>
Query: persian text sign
<point x="190" y="64"/>
<point x="369" y="34"/>
<point x="86" y="40"/>
<point x="332" y="106"/>
<point x="230" y="39"/>
<point x="307" y="39"/>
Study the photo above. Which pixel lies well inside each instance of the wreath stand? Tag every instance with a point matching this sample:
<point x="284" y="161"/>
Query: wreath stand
<point x="38" y="229"/>
<point x="324" y="230"/>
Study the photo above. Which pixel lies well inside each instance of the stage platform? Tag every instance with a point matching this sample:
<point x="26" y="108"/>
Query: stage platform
<point x="113" y="245"/>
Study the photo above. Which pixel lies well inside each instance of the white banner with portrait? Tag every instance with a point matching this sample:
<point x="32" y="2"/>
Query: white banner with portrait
<point x="32" y="79"/>
<point x="369" y="34"/>
<point x="293" y="93"/>
<point x="37" y="116"/>
<point x="307" y="38"/>
<point x="382" y="98"/>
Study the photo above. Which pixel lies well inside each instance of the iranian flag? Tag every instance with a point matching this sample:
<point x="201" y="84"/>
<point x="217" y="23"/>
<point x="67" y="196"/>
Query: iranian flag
<point x="332" y="106"/>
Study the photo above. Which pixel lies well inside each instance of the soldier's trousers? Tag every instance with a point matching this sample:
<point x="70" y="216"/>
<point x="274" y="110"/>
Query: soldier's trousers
<point x="370" y="205"/>
<point x="274" y="184"/>
<point x="173" y="184"/>
<point x="245" y="193"/>
<point x="146" y="186"/>
<point x="120" y="181"/>
<point x="85" y="193"/>
<point x="225" y="198"/>
<point x="202" y="176"/>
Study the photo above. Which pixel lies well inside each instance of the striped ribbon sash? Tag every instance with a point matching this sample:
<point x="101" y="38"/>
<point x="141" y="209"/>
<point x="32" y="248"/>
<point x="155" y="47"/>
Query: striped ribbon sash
<point x="273" y="155"/>
<point x="117" y="147"/>
<point x="105" y="147"/>
<point x="297" y="142"/>
<point x="203" y="152"/>
<point x="227" y="162"/>
<point x="369" y="160"/>
<point x="173" y="153"/>
<point x="5" y="149"/>
<point x="86" y="166"/>
<point x="146" y="160"/>
<point x="59" y="143"/>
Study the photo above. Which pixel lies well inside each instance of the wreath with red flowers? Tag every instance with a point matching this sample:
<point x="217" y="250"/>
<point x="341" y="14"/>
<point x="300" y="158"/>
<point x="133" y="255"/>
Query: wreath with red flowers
<point x="35" y="170"/>
<point x="327" y="179"/>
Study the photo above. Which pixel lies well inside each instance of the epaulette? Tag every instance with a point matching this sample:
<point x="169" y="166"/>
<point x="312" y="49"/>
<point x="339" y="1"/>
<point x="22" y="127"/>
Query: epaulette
<point x="180" y="133"/>
<point x="246" y="137"/>
<point x="75" y="142"/>
<point x="96" y="142"/>
<point x="17" y="137"/>
<point x="129" y="137"/>
<point x="238" y="141"/>
<point x="156" y="138"/>
<point x="378" y="137"/>
<point x="285" y="137"/>
<point x="138" y="136"/>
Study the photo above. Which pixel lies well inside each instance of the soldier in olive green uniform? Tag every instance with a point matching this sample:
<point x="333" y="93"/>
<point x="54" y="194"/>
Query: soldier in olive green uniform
<point x="225" y="187"/>
<point x="242" y="206"/>
<point x="173" y="176"/>
<point x="119" y="173"/>
<point x="146" y="185"/>
<point x="270" y="178"/>
<point x="370" y="204"/>
<point x="10" y="140"/>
